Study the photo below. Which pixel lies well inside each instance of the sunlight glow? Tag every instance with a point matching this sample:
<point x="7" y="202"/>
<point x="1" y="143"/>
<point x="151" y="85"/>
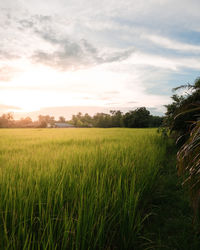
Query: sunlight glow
<point x="36" y="87"/>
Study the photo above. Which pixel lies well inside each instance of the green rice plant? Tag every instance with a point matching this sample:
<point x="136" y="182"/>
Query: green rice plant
<point x="76" y="188"/>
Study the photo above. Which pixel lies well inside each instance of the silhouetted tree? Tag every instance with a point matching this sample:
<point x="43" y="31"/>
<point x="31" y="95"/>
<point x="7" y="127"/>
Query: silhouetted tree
<point x="139" y="118"/>
<point x="155" y="121"/>
<point x="183" y="111"/>
<point x="116" y="118"/>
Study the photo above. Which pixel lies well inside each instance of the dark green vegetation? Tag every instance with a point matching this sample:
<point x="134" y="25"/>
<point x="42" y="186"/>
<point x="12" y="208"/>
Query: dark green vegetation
<point x="183" y="119"/>
<point x="171" y="224"/>
<point x="184" y="111"/>
<point x="139" y="118"/>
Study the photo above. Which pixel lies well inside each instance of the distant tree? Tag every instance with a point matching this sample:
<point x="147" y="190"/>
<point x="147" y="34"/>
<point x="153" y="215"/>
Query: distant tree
<point x="6" y="120"/>
<point x="81" y="120"/>
<point x="23" y="122"/>
<point x="79" y="115"/>
<point x="155" y="121"/>
<point x="61" y="119"/>
<point x="27" y="120"/>
<point x="45" y="119"/>
<point x="74" y="120"/>
<point x="86" y="120"/>
<point x="116" y="118"/>
<point x="134" y="119"/>
<point x="102" y="120"/>
<point x="139" y="118"/>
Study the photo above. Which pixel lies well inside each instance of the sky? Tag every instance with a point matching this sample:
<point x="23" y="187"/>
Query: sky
<point x="95" y="55"/>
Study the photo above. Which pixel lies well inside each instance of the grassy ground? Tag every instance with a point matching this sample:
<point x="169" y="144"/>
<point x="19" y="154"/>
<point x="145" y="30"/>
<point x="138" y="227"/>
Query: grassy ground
<point x="171" y="224"/>
<point x="90" y="189"/>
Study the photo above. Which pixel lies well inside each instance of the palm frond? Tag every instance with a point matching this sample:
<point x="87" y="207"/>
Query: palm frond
<point x="188" y="164"/>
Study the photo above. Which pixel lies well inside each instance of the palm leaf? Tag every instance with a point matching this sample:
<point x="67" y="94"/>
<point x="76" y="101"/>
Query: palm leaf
<point x="188" y="163"/>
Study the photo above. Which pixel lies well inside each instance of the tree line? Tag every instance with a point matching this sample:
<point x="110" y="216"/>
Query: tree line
<point x="138" y="118"/>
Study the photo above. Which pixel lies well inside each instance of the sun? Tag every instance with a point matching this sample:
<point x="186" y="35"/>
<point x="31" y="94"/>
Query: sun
<point x="29" y="90"/>
<point x="38" y="86"/>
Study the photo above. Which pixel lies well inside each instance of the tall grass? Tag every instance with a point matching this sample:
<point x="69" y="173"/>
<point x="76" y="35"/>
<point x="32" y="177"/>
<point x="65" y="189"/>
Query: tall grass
<point x="76" y="188"/>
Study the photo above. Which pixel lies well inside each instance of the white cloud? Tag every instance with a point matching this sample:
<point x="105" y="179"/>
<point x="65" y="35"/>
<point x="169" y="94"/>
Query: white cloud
<point x="172" y="44"/>
<point x="117" y="43"/>
<point x="163" y="62"/>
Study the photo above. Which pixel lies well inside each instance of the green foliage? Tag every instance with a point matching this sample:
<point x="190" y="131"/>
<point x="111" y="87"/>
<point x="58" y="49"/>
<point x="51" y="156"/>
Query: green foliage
<point x="76" y="188"/>
<point x="139" y="118"/>
<point x="81" y="120"/>
<point x="102" y="120"/>
<point x="183" y="111"/>
<point x="170" y="224"/>
<point x="164" y="131"/>
<point x="117" y="118"/>
<point x="183" y="120"/>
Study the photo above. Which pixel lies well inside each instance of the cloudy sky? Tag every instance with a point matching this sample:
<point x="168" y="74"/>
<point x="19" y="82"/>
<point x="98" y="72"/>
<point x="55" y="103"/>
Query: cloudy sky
<point x="92" y="53"/>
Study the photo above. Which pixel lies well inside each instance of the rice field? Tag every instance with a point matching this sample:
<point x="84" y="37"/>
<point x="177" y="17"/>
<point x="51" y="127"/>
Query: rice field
<point x="76" y="188"/>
